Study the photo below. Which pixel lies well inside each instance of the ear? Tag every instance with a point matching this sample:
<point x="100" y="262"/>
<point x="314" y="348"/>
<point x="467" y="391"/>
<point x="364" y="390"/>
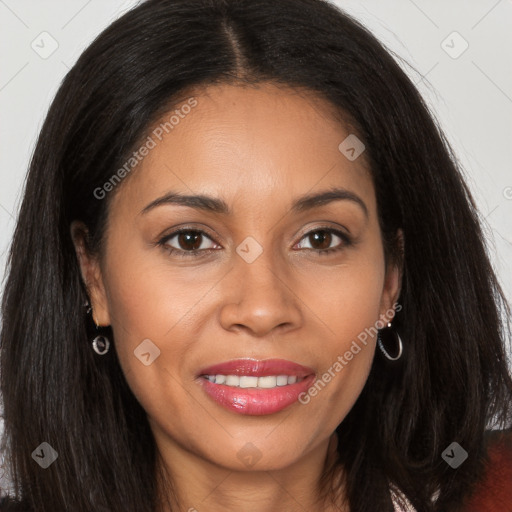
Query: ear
<point x="91" y="274"/>
<point x="392" y="281"/>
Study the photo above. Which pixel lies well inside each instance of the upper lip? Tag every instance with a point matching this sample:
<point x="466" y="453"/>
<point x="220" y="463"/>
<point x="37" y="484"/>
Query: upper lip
<point x="258" y="368"/>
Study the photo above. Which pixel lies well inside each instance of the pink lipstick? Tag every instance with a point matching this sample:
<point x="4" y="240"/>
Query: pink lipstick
<point x="256" y="387"/>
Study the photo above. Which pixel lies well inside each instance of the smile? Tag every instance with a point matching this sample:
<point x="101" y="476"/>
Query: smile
<point x="253" y="387"/>
<point x="247" y="381"/>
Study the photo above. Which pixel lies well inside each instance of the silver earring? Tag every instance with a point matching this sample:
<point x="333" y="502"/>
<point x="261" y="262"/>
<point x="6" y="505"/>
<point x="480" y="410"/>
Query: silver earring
<point x="101" y="345"/>
<point x="397" y="339"/>
<point x="87" y="307"/>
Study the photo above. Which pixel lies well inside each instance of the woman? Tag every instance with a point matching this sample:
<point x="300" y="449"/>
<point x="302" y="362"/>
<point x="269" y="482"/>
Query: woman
<point x="247" y="275"/>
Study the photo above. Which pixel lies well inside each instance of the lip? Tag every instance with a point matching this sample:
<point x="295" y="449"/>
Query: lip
<point x="252" y="401"/>
<point x="258" y="368"/>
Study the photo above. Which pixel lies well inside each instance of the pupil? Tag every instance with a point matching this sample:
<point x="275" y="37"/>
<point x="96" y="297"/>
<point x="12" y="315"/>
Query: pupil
<point x="323" y="237"/>
<point x="186" y="238"/>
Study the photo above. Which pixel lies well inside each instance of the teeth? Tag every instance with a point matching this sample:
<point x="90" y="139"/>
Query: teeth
<point x="246" y="381"/>
<point x="282" y="380"/>
<point x="231" y="380"/>
<point x="267" y="382"/>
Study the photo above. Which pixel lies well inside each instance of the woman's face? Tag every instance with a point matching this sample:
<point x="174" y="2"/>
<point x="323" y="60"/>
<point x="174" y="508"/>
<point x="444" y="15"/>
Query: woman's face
<point x="248" y="280"/>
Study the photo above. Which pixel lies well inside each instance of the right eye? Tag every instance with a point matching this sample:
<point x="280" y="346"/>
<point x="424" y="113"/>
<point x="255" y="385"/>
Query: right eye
<point x="187" y="242"/>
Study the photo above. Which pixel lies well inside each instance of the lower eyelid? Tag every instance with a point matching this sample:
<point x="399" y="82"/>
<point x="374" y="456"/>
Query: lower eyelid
<point x="166" y="240"/>
<point x="345" y="240"/>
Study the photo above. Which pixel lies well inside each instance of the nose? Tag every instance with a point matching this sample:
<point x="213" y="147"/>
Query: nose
<point x="259" y="297"/>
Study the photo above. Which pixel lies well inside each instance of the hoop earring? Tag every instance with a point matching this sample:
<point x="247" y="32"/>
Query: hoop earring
<point x="101" y="345"/>
<point x="397" y="339"/>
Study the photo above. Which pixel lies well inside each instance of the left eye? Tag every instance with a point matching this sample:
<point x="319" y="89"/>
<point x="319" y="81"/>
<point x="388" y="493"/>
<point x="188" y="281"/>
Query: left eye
<point x="320" y="240"/>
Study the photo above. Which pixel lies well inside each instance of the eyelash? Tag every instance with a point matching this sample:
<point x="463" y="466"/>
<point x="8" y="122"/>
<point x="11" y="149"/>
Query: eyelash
<point x="346" y="242"/>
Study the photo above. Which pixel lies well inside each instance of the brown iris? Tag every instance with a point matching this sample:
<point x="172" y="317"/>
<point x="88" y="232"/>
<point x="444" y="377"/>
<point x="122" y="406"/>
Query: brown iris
<point x="324" y="238"/>
<point x="191" y="240"/>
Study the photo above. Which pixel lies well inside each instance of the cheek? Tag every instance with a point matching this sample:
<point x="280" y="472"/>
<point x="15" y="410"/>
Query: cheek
<point x="348" y="304"/>
<point x="148" y="296"/>
<point x="348" y="298"/>
<point x="151" y="313"/>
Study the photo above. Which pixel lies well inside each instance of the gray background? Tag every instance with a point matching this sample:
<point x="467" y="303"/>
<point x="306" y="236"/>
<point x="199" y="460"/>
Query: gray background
<point x="470" y="92"/>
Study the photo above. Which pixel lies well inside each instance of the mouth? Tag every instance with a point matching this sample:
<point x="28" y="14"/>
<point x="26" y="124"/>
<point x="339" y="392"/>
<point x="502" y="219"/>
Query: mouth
<point x="256" y="387"/>
<point x="250" y="381"/>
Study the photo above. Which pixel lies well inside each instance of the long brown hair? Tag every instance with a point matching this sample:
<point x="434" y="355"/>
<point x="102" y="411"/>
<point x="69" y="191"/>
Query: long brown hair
<point x="453" y="378"/>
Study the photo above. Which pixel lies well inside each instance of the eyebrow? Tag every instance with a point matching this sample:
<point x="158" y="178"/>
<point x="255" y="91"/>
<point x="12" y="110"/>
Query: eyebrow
<point x="219" y="206"/>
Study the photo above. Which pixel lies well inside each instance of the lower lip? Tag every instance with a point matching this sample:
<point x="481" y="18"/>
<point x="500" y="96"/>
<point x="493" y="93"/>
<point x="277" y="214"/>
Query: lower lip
<point x="253" y="401"/>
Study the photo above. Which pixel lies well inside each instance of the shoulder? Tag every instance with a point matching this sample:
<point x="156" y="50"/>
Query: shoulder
<point x="493" y="493"/>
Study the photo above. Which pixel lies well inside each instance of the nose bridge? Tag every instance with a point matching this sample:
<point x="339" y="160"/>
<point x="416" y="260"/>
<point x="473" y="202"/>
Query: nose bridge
<point x="261" y="298"/>
<point x="258" y="269"/>
<point x="261" y="268"/>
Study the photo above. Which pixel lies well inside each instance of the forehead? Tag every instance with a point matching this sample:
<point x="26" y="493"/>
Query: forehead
<point x="248" y="145"/>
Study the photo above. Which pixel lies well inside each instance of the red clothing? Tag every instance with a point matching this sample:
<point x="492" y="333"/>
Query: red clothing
<point x="494" y="491"/>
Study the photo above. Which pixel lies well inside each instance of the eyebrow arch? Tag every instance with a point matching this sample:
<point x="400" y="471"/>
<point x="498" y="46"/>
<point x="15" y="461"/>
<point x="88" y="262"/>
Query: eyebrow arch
<point x="310" y="201"/>
<point x="215" y="205"/>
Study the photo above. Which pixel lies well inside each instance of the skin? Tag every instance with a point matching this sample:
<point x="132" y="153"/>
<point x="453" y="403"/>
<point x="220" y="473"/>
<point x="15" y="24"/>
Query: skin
<point x="259" y="149"/>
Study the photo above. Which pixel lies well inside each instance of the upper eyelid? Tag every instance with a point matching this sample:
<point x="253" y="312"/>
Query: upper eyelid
<point x="340" y="229"/>
<point x="185" y="229"/>
<point x="166" y="238"/>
